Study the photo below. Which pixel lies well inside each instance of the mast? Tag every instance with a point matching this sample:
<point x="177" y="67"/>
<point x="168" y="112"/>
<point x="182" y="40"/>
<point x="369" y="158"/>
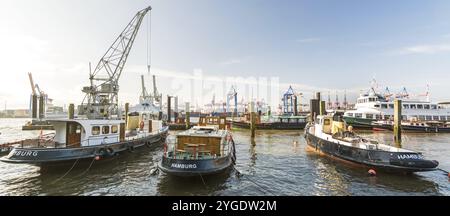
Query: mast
<point x="102" y="95"/>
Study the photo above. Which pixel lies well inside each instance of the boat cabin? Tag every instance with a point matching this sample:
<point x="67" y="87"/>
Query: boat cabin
<point x="87" y="132"/>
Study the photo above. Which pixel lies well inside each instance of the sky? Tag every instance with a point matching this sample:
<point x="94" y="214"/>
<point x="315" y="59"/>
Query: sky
<point x="314" y="45"/>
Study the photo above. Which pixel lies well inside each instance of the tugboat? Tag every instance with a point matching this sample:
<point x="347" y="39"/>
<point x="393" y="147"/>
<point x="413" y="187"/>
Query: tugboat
<point x="329" y="136"/>
<point x="98" y="131"/>
<point x="202" y="150"/>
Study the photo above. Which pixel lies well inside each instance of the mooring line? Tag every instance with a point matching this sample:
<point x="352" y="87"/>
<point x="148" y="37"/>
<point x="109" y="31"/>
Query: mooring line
<point x="264" y="190"/>
<point x="66" y="172"/>
<point x="446" y="172"/>
<point x="90" y="165"/>
<point x="203" y="180"/>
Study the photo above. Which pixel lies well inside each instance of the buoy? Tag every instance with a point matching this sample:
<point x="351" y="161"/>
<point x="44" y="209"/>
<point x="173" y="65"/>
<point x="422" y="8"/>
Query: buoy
<point x="97" y="157"/>
<point x="372" y="172"/>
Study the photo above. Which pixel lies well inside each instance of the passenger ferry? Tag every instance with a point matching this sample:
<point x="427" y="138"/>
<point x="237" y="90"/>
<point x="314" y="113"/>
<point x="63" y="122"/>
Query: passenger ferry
<point x="374" y="106"/>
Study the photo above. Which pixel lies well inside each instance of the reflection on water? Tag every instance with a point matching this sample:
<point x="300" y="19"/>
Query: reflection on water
<point x="277" y="161"/>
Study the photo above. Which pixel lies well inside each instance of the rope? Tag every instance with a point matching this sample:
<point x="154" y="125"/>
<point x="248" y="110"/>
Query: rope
<point x="90" y="165"/>
<point x="203" y="180"/>
<point x="66" y="172"/>
<point x="262" y="189"/>
<point x="446" y="172"/>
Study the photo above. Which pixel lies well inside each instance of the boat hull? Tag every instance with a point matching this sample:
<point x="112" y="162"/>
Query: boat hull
<point x="404" y="162"/>
<point x="359" y="123"/>
<point x="55" y="156"/>
<point x="414" y="128"/>
<point x="187" y="168"/>
<point x="272" y="125"/>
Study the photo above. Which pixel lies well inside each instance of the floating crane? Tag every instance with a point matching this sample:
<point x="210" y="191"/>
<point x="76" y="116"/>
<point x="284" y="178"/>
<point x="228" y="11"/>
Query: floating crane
<point x="101" y="100"/>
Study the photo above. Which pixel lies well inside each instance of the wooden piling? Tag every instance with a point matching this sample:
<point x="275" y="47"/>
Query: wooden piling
<point x="188" y="115"/>
<point x="168" y="109"/>
<point x="252" y="119"/>
<point x="398" y="122"/>
<point x="71" y="111"/>
<point x="127" y="108"/>
<point x="295" y="106"/>
<point x="41" y="107"/>
<point x="150" y="126"/>
<point x="34" y="106"/>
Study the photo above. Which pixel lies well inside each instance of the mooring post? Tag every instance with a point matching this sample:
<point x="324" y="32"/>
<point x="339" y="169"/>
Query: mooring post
<point x="41" y="107"/>
<point x="127" y="108"/>
<point x="398" y="122"/>
<point x="188" y="115"/>
<point x="34" y="107"/>
<point x="175" y="109"/>
<point x="71" y="111"/>
<point x="150" y="126"/>
<point x="168" y="109"/>
<point x="252" y="119"/>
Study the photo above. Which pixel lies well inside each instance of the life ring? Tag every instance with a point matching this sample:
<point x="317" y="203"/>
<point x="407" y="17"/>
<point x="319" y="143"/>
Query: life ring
<point x="141" y="125"/>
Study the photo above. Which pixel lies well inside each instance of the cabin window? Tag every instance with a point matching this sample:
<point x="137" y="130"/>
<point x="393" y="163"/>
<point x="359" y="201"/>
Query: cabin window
<point x="426" y="106"/>
<point x="114" y="129"/>
<point x="350" y="114"/>
<point x="386" y="117"/>
<point x="428" y="118"/>
<point x="378" y="116"/>
<point x="443" y="118"/>
<point x="405" y="106"/>
<point x="433" y="106"/>
<point x="384" y="106"/>
<point x="358" y="115"/>
<point x="95" y="130"/>
<point x="419" y="106"/>
<point x="105" y="130"/>
<point x="448" y="118"/>
<point x="422" y="118"/>
<point x="377" y="105"/>
<point x="391" y="106"/>
<point x="436" y="118"/>
<point x="404" y="117"/>
<point x="413" y="106"/>
<point x="369" y="116"/>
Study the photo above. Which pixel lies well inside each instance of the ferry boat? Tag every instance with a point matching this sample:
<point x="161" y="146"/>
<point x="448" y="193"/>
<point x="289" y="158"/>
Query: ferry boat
<point x="98" y="131"/>
<point x="414" y="126"/>
<point x="328" y="135"/>
<point x="373" y="106"/>
<point x="202" y="150"/>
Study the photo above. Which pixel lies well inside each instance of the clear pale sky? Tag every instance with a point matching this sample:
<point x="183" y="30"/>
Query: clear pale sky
<point x="313" y="45"/>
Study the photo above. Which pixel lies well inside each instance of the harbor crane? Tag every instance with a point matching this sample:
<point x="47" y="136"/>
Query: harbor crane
<point x="232" y="95"/>
<point x="38" y="100"/>
<point x="101" y="100"/>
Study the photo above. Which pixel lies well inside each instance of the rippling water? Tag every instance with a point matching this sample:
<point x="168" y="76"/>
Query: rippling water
<point x="276" y="163"/>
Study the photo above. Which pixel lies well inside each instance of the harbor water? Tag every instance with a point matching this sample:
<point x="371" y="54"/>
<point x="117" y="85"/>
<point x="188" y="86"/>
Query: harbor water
<point x="275" y="163"/>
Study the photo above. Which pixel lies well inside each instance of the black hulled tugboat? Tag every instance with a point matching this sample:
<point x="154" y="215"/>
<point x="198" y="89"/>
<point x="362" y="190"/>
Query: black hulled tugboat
<point x="329" y="136"/>
<point x="202" y="150"/>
